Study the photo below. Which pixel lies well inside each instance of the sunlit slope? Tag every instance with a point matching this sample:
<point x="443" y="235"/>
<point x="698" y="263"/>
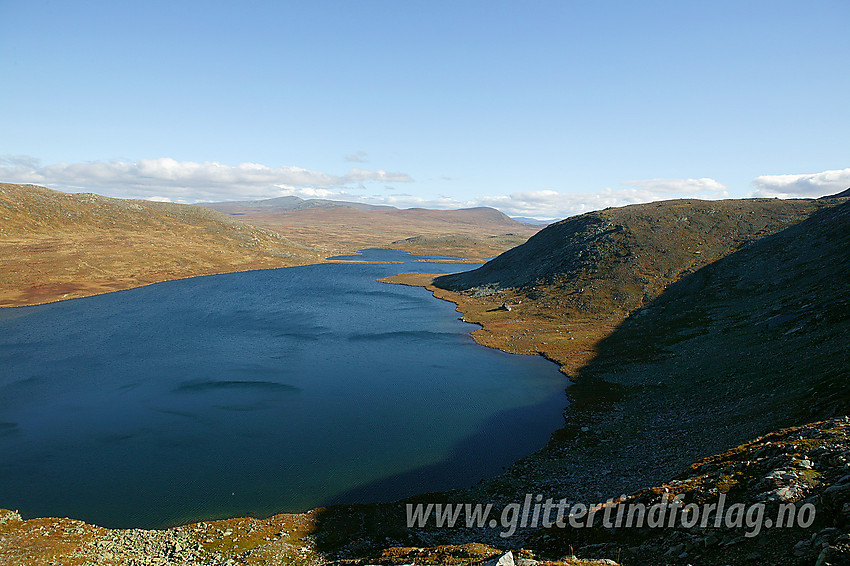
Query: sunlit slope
<point x="56" y="245"/>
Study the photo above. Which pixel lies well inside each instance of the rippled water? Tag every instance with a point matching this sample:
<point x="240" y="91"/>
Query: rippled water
<point x="254" y="393"/>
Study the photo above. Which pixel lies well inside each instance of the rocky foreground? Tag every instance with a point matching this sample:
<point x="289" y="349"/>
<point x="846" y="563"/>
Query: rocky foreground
<point x="805" y="467"/>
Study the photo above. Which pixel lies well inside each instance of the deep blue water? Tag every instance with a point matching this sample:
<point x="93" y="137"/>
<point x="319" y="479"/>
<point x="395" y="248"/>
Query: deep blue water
<point x="255" y="393"/>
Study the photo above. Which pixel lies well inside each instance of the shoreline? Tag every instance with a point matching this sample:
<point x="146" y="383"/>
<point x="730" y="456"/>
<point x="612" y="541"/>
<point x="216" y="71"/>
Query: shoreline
<point x="57" y="291"/>
<point x="509" y="325"/>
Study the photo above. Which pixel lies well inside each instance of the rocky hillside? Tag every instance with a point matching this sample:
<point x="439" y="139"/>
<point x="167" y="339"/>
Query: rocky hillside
<point x="796" y="467"/>
<point x="56" y="245"/>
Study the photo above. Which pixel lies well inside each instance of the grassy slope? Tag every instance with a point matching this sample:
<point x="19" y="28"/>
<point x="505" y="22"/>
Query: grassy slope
<point x="56" y="245"/>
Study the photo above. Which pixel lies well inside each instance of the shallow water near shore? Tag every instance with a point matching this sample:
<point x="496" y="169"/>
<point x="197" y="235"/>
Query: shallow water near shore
<point x="256" y="393"/>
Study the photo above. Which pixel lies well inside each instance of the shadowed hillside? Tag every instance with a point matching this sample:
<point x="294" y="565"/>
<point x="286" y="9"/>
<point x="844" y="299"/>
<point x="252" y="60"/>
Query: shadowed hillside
<point x="57" y="245"/>
<point x="627" y="255"/>
<point x="751" y="343"/>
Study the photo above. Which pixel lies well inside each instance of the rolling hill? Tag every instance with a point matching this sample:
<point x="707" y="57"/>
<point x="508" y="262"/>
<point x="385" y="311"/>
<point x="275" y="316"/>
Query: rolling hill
<point x="56" y="245"/>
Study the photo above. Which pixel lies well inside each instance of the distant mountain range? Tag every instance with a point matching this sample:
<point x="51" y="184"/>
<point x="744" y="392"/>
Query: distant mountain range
<point x="339" y="226"/>
<point x="293" y="204"/>
<point x="286" y="204"/>
<point x="536" y="221"/>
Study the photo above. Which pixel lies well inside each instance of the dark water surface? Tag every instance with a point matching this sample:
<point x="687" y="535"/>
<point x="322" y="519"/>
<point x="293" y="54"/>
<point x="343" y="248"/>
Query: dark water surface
<point x="256" y="393"/>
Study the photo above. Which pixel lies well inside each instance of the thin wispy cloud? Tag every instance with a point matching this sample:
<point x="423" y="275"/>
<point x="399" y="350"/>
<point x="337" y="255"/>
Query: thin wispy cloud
<point x="187" y="181"/>
<point x="358" y="157"/>
<point x="703" y="186"/>
<point x="807" y="185"/>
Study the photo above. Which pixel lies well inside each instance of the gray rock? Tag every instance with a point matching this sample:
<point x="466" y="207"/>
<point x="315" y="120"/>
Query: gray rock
<point x="827" y="535"/>
<point x="506" y="559"/>
<point x="802" y="548"/>
<point x="675" y="550"/>
<point x="780" y="494"/>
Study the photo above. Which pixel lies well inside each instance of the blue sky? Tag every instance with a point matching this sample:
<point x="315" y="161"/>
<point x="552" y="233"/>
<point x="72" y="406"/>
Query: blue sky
<point x="539" y="108"/>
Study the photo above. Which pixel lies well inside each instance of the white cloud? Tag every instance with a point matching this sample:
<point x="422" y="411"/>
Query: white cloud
<point x="548" y="204"/>
<point x="377" y="175"/>
<point x="810" y="185"/>
<point x="307" y="192"/>
<point x="186" y="181"/>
